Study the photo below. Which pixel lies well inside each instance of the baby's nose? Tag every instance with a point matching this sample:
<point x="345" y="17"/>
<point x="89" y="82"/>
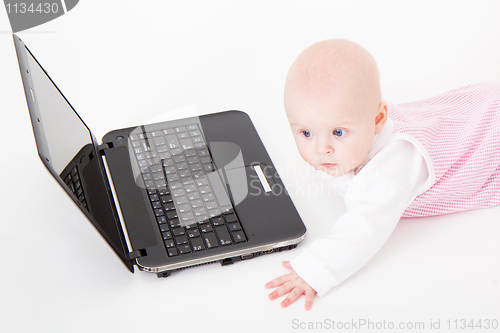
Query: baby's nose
<point x="324" y="147"/>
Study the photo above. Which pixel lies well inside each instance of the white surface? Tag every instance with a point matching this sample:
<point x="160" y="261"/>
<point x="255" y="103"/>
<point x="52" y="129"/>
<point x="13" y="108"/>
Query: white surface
<point x="123" y="63"/>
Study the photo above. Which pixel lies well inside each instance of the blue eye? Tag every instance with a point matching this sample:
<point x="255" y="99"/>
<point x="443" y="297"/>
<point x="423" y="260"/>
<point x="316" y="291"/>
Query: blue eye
<point x="307" y="134"/>
<point x="339" y="132"/>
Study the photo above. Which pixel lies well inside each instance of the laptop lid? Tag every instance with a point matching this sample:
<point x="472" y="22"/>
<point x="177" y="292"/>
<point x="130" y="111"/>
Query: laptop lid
<point x="69" y="150"/>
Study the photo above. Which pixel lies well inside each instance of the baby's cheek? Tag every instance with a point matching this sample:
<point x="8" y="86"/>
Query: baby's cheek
<point x="306" y="157"/>
<point x="358" y="154"/>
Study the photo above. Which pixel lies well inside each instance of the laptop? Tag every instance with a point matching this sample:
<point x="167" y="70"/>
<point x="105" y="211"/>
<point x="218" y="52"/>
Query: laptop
<point x="169" y="195"/>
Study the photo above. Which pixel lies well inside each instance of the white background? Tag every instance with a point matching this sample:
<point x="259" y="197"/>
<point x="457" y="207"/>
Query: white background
<point x="123" y="63"/>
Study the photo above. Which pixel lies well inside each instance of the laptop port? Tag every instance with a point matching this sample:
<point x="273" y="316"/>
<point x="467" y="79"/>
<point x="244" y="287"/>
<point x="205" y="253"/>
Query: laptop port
<point x="227" y="261"/>
<point x="247" y="256"/>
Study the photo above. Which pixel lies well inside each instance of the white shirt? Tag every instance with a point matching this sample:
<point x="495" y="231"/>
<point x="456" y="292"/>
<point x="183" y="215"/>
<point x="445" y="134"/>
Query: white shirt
<point x="394" y="173"/>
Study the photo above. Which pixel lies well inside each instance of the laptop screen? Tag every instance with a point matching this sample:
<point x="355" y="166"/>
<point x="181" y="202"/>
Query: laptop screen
<point x="67" y="148"/>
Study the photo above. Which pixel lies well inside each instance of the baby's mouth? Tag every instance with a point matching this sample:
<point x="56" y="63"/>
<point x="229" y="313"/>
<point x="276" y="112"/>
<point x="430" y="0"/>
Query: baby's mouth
<point x="328" y="165"/>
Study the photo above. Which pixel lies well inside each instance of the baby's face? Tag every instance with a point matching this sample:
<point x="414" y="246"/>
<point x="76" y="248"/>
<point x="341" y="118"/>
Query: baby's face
<point x="333" y="134"/>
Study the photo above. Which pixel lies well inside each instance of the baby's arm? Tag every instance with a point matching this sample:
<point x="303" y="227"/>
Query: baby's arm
<point x="293" y="285"/>
<point x="375" y="201"/>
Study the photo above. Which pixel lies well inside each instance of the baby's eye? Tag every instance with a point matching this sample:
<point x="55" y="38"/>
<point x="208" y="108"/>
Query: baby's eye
<point x="307" y="134"/>
<point x="339" y="132"/>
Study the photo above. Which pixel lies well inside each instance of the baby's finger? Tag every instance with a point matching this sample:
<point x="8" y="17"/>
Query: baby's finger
<point x="282" y="290"/>
<point x="278" y="281"/>
<point x="309" y="299"/>
<point x="292" y="297"/>
<point x="286" y="264"/>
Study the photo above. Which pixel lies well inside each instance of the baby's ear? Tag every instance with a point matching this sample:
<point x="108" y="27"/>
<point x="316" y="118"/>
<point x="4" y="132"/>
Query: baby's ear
<point x="381" y="117"/>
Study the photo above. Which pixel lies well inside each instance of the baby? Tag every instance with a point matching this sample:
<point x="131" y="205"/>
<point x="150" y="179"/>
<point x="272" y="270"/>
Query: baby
<point x="430" y="157"/>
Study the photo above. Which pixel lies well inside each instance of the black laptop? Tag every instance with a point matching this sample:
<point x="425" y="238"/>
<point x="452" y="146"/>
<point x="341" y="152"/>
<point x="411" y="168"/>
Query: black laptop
<point x="165" y="196"/>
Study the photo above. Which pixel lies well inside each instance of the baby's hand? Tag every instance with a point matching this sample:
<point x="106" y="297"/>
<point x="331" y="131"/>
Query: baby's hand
<point x="292" y="285"/>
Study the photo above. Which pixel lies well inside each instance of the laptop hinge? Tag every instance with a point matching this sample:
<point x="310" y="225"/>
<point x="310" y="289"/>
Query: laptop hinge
<point x="106" y="145"/>
<point x="136" y="254"/>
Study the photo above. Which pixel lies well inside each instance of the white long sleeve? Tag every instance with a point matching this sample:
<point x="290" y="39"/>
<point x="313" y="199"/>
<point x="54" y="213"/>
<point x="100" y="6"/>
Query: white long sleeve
<point x="375" y="200"/>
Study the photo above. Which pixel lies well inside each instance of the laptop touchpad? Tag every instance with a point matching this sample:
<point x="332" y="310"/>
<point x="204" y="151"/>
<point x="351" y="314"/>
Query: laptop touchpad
<point x="249" y="180"/>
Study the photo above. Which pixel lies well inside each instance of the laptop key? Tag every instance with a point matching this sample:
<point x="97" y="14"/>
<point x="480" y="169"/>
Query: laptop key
<point x="190" y="225"/>
<point x="172" y="251"/>
<point x="214" y="212"/>
<point x="186" y="143"/>
<point x="195" y="203"/>
<point x="178" y="231"/>
<point x="217" y="221"/>
<point x="164" y="191"/>
<point x="169" y="206"/>
<point x="159" y="141"/>
<point x="164" y="157"/>
<point x="200" y="211"/>
<point x="156" y="168"/>
<point x="172" y="141"/>
<point x="190" y="153"/>
<point x="193" y="233"/>
<point x="166" y="198"/>
<point x="168" y="169"/>
<point x="239" y="236"/>
<point x="204" y="189"/>
<point x="210" y="240"/>
<point x="234" y="226"/>
<point x="179" y="159"/>
<point x="223" y="234"/>
<point x="195" y="167"/>
<point x="171" y="214"/>
<point x="183" y="249"/>
<point x="201" y="181"/>
<point x="210" y="205"/>
<point x="208" y="167"/>
<point x="67" y="179"/>
<point x="206" y="227"/>
<point x="203" y="152"/>
<point x="194" y="133"/>
<point x="183" y="174"/>
<point x="192" y="159"/>
<point x="176" y="151"/>
<point x="181" y="240"/>
<point x="174" y="223"/>
<point x="207" y="196"/>
<point x="205" y="159"/>
<point x="181" y="200"/>
<point x="231" y="218"/>
<point x="197" y="244"/>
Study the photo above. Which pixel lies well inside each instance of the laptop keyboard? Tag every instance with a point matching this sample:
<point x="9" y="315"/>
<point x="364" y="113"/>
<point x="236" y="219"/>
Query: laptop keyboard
<point x="72" y="179"/>
<point x="187" y="196"/>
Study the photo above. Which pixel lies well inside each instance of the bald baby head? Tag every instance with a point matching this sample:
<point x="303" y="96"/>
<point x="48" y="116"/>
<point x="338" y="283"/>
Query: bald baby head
<point x="335" y="68"/>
